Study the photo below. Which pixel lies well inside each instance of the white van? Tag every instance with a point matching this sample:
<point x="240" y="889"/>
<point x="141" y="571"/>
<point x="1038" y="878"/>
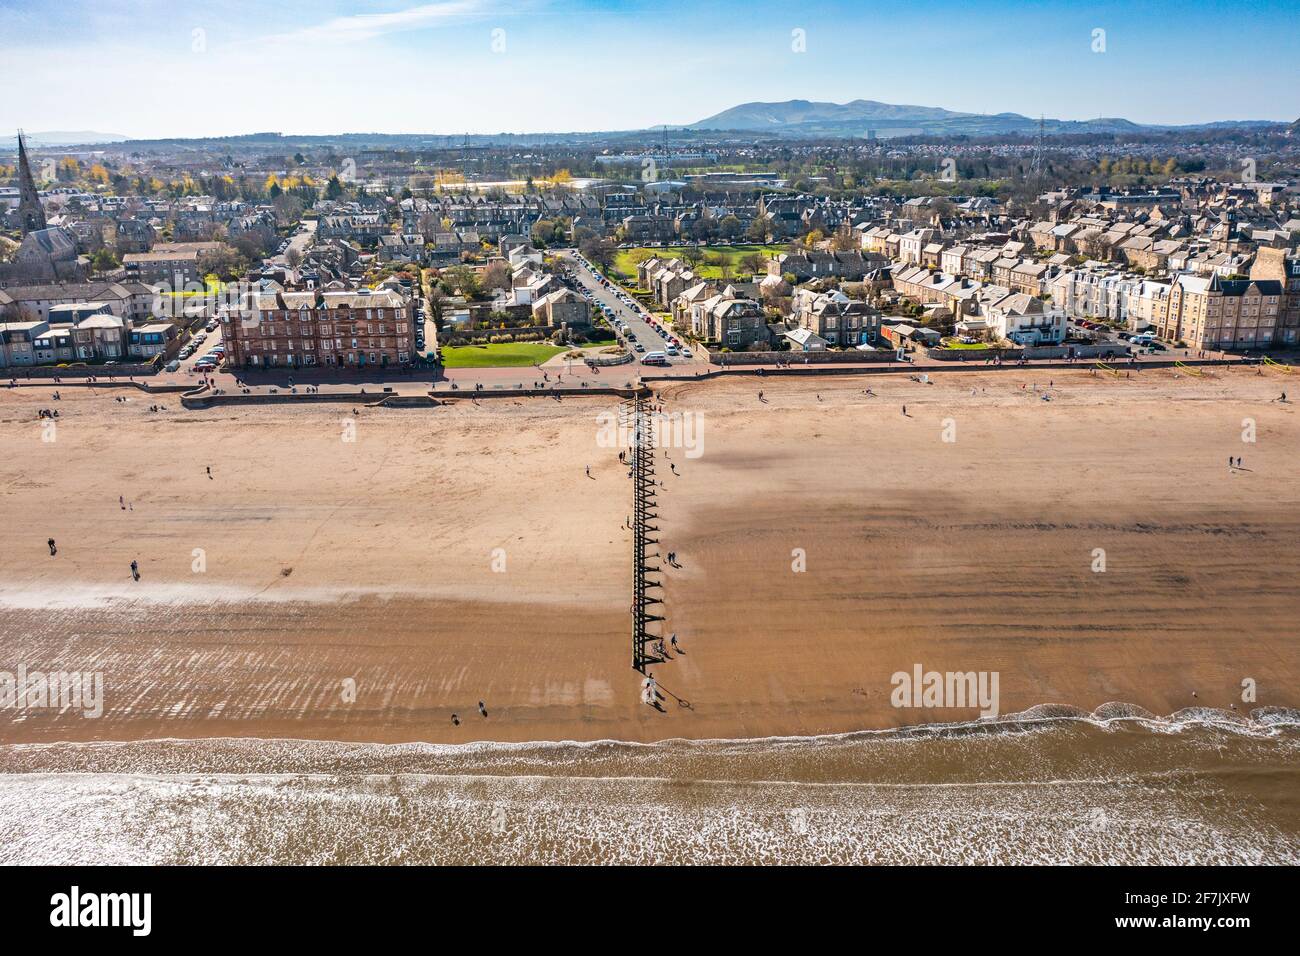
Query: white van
<point x="654" y="358"/>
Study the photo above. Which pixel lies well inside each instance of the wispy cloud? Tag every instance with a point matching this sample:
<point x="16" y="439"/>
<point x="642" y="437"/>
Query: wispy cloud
<point x="367" y="26"/>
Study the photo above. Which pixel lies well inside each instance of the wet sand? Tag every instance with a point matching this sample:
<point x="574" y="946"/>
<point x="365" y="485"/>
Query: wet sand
<point x="327" y="561"/>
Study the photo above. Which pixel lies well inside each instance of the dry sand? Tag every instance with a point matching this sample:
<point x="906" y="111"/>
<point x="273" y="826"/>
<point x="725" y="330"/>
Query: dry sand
<point x="329" y="561"/>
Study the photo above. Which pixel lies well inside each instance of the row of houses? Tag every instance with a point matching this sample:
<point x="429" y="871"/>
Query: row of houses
<point x="99" y="336"/>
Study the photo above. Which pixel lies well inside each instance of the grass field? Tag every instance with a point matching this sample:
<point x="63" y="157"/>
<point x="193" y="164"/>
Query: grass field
<point x="502" y="355"/>
<point x="625" y="262"/>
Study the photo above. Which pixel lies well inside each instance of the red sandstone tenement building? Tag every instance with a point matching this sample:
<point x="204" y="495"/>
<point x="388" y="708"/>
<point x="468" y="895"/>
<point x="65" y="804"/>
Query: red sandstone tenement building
<point x="305" y="329"/>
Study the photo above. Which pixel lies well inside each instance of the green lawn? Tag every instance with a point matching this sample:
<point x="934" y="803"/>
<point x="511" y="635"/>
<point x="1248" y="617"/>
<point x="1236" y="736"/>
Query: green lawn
<point x="625" y="261"/>
<point x="502" y="355"/>
<point x="213" y="285"/>
<point x="969" y="346"/>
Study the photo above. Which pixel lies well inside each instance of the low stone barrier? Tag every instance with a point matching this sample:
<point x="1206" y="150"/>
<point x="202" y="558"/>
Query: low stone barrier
<point x="829" y="357"/>
<point x="1011" y="356"/>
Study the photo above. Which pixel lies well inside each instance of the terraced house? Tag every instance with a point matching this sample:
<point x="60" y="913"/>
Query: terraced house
<point x="1218" y="313"/>
<point x="305" y="329"/>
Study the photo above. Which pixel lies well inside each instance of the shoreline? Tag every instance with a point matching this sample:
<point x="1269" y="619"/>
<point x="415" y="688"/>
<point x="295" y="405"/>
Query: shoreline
<point x="1263" y="724"/>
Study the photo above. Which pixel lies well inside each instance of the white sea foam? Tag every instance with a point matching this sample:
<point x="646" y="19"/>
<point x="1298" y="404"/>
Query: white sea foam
<point x="1041" y="787"/>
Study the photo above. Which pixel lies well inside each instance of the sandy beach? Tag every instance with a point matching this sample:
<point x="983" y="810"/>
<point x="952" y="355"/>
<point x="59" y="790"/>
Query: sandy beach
<point x="369" y="589"/>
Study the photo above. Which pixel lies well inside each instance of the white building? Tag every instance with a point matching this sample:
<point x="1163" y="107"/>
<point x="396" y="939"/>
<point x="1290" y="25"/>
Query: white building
<point x="1025" y="320"/>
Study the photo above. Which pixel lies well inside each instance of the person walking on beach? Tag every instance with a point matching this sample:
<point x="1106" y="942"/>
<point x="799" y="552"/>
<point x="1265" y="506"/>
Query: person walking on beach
<point x="121" y="501"/>
<point x="904" y="410"/>
<point x="673" y="466"/>
<point x="673" y="640"/>
<point x="649" y="691"/>
<point x="53" y="549"/>
<point x="482" y="709"/>
<point x="589" y="471"/>
<point x="209" y="471"/>
<point x="135" y="571"/>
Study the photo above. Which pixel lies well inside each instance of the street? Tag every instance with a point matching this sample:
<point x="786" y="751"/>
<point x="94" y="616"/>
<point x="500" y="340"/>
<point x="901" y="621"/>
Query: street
<point x="645" y="334"/>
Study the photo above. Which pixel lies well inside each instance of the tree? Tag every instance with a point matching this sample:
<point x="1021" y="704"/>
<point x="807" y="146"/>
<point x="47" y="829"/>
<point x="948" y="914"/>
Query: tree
<point x="464" y="280"/>
<point x="599" y="251"/>
<point x="293" y="257"/>
<point x="333" y="188"/>
<point x="437" y="304"/>
<point x="225" y="263"/>
<point x="104" y="260"/>
<point x="250" y="246"/>
<point x="288" y="209"/>
<point x="760" y="230"/>
<point x="543" y="231"/>
<point x="496" y="276"/>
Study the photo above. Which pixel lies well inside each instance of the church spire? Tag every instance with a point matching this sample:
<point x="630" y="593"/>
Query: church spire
<point x="31" y="216"/>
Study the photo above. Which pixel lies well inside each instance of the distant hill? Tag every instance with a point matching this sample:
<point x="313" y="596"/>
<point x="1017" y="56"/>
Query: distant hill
<point x="804" y="118"/>
<point x="58" y="138"/>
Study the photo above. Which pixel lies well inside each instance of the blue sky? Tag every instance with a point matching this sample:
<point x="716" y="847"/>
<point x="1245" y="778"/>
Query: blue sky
<point x="218" y="67"/>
